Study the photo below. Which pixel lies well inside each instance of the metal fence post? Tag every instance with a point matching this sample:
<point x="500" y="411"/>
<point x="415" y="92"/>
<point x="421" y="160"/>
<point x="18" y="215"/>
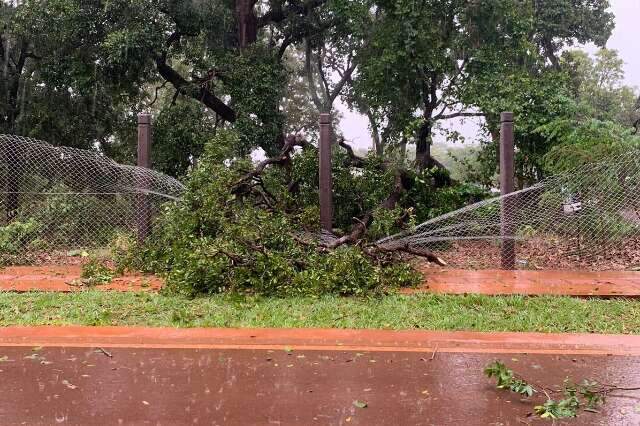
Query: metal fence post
<point x="507" y="205"/>
<point x="143" y="213"/>
<point x="326" y="199"/>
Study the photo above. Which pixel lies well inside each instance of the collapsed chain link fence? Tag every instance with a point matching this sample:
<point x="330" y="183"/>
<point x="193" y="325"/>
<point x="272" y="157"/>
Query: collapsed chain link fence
<point x="587" y="218"/>
<point x="66" y="198"/>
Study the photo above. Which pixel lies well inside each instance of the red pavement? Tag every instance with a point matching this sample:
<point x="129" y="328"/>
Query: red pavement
<point x="66" y="278"/>
<point x="499" y="282"/>
<point x="322" y="339"/>
<point x="117" y="375"/>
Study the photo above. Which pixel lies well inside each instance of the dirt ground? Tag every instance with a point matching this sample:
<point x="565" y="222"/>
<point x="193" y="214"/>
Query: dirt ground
<point x="544" y="254"/>
<point x="67" y="277"/>
<point x="545" y="282"/>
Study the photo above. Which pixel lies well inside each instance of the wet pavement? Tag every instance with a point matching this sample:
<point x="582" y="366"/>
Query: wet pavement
<point x="86" y="386"/>
<point x="500" y="282"/>
<point x="67" y="278"/>
<point x="262" y="381"/>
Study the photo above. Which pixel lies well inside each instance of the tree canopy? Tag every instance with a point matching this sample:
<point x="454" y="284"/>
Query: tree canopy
<point x="407" y="65"/>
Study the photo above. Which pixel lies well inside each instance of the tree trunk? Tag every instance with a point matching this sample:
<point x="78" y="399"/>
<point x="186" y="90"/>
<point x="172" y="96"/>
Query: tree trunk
<point x="403" y="150"/>
<point x="423" y="147"/>
<point x="12" y="104"/>
<point x="375" y="136"/>
<point x="13" y="112"/>
<point x="247" y="22"/>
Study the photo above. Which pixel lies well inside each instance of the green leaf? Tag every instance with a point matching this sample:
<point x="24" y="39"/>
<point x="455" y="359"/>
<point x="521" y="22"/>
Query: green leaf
<point x="359" y="404"/>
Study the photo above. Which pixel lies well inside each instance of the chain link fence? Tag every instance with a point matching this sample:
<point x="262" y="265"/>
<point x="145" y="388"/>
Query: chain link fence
<point x="588" y="218"/>
<point x="59" y="198"/>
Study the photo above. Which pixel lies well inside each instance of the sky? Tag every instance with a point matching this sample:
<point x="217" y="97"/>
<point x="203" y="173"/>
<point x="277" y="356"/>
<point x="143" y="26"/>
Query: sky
<point x="624" y="39"/>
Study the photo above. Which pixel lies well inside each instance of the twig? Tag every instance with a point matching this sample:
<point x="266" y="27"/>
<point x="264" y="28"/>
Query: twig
<point x="104" y="351"/>
<point x="614" y="388"/>
<point x="433" y="355"/>
<point x="155" y="98"/>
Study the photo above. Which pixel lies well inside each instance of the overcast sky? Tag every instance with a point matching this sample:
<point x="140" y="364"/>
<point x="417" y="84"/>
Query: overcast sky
<point x="625" y="39"/>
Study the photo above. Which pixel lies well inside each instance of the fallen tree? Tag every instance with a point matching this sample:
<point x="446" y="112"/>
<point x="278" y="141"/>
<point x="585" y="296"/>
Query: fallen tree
<point x="252" y="182"/>
<point x="254" y="227"/>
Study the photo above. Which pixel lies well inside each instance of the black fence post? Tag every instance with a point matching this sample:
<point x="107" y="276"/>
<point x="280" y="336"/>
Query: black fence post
<point x="507" y="204"/>
<point x="143" y="213"/>
<point x="326" y="197"/>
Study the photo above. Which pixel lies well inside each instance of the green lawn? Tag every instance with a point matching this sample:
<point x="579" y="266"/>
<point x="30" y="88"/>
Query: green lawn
<point x="428" y="312"/>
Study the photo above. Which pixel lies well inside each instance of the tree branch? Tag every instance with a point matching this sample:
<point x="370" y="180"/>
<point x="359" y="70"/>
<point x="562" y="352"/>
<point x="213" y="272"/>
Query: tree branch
<point x="198" y="93"/>
<point x="416" y="251"/>
<point x="286" y="42"/>
<point x="323" y="78"/>
<point x="278" y="14"/>
<point x="360" y="227"/>
<point x="155" y="98"/>
<point x="340" y="85"/>
<point x="291" y="142"/>
<point x="547" y="45"/>
<point x="458" y="114"/>
<point x="355" y="160"/>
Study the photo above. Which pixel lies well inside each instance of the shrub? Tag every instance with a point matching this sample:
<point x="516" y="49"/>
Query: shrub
<point x="431" y="200"/>
<point x="96" y="272"/>
<point x="15" y="239"/>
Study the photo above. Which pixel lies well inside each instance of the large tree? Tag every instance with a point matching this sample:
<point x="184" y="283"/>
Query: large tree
<point x="67" y="107"/>
<point x="598" y="86"/>
<point x="431" y="61"/>
<point x="225" y="55"/>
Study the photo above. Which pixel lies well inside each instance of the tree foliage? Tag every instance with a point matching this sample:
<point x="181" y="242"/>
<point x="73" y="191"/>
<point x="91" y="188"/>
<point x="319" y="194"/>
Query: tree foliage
<point x="597" y="85"/>
<point x="216" y="240"/>
<point x="407" y="65"/>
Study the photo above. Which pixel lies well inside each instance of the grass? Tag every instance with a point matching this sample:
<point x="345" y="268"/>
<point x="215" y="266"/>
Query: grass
<point x="427" y="312"/>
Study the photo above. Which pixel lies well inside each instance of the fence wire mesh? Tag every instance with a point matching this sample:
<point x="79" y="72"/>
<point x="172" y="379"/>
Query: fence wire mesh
<point x="66" y="198"/>
<point x="59" y="198"/>
<point x="587" y="218"/>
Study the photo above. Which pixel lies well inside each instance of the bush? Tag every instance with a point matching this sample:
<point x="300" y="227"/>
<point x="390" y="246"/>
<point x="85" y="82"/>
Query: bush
<point x="355" y="192"/>
<point x="96" y="272"/>
<point x="213" y="241"/>
<point x="430" y="200"/>
<point x="57" y="218"/>
<point x="15" y="239"/>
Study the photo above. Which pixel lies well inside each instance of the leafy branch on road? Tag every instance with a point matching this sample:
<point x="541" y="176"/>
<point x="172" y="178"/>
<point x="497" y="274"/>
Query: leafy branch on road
<point x="567" y="400"/>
